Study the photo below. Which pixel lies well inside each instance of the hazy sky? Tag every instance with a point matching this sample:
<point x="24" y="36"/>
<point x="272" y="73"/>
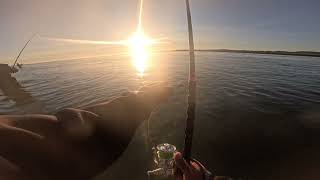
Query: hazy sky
<point x="233" y="24"/>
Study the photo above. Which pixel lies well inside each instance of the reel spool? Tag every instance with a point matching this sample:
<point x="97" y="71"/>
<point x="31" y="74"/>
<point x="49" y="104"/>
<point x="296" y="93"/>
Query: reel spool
<point x="164" y="159"/>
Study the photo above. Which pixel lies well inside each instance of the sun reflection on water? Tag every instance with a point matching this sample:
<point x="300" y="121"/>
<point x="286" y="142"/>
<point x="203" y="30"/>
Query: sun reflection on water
<point x="140" y="51"/>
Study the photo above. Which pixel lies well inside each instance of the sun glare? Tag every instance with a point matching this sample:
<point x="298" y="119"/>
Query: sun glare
<point x="139" y="45"/>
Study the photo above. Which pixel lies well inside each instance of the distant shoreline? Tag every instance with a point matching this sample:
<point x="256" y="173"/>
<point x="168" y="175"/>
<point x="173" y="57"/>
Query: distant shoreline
<point x="287" y="53"/>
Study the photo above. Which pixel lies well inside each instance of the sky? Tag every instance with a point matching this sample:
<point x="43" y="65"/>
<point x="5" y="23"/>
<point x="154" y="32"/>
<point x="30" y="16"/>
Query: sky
<point x="229" y="24"/>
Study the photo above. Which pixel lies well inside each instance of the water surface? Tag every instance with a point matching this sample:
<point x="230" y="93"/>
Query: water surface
<point x="251" y="108"/>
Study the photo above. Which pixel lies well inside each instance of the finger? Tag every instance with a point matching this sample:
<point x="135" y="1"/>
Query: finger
<point x="21" y="147"/>
<point x="35" y="154"/>
<point x="181" y="163"/>
<point x="196" y="167"/>
<point x="43" y="125"/>
<point x="7" y="166"/>
<point x="10" y="171"/>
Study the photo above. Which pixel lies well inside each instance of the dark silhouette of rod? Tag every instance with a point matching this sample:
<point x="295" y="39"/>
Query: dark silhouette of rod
<point x="191" y="93"/>
<point x="17" y="58"/>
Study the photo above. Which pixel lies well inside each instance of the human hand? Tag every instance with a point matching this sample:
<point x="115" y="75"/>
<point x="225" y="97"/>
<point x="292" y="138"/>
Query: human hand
<point x="192" y="171"/>
<point x="62" y="146"/>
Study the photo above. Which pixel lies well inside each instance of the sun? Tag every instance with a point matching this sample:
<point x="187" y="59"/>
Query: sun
<point x="139" y="45"/>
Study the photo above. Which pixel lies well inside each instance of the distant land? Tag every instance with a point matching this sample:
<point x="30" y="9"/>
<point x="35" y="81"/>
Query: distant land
<point x="287" y="53"/>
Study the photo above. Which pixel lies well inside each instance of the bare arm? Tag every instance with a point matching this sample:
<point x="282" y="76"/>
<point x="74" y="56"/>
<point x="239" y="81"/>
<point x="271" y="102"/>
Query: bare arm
<point x="76" y="144"/>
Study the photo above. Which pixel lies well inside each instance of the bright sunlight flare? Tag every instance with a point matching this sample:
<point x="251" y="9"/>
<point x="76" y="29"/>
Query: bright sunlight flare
<point x="139" y="45"/>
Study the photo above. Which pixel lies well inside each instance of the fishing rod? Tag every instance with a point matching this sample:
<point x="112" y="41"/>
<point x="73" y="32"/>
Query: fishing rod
<point x="191" y="112"/>
<point x="164" y="153"/>
<point x="17" y="58"/>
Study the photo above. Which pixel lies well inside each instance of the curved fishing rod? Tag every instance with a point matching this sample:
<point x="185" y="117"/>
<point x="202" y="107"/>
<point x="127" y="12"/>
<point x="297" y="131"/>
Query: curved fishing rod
<point x="17" y="58"/>
<point x="191" y="112"/>
<point x="164" y="153"/>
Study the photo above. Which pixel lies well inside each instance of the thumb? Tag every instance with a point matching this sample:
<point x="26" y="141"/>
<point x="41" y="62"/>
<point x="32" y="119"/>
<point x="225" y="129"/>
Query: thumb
<point x="181" y="163"/>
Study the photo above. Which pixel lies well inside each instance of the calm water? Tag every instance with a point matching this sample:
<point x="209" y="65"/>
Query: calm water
<point x="251" y="108"/>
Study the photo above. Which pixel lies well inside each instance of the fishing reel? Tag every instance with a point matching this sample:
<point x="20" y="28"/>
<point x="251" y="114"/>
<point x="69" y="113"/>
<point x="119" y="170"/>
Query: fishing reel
<point x="163" y="155"/>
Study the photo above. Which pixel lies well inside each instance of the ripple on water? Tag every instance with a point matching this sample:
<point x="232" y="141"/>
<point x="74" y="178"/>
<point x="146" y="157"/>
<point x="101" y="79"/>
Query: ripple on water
<point x="239" y="96"/>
